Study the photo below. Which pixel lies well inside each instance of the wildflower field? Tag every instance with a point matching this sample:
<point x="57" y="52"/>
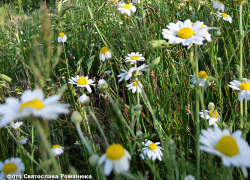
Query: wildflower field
<point x="139" y="89"/>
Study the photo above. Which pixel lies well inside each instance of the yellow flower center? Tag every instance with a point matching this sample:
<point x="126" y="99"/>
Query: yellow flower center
<point x="82" y="81"/>
<point x="135" y="84"/>
<point x="21" y="138"/>
<point x="56" y="146"/>
<point x="36" y="104"/>
<point x="219" y="2"/>
<point x="115" y="152"/>
<point x="185" y="33"/>
<point x="245" y="86"/>
<point x="9" y="168"/>
<point x="190" y="7"/>
<point x="213" y="114"/>
<point x="78" y="143"/>
<point x="203" y="75"/>
<point x="224" y="15"/>
<point x="104" y="50"/>
<point x="152" y="146"/>
<point x="134" y="58"/>
<point x="127" y="6"/>
<point x="228" y="146"/>
<point x="119" y="20"/>
<point x="61" y="34"/>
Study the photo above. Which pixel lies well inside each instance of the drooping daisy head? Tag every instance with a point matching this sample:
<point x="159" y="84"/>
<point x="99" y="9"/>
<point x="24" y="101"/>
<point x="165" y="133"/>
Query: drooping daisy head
<point x="202" y="78"/>
<point x="119" y="21"/>
<point x="243" y="87"/>
<point x="219" y="5"/>
<point x="13" y="166"/>
<point x="23" y="140"/>
<point x="212" y="116"/>
<point x="16" y="125"/>
<point x="135" y="86"/>
<point x="134" y="71"/>
<point x="61" y="37"/>
<point x="82" y="81"/>
<point x="225" y="17"/>
<point x="32" y="103"/>
<point x="116" y="158"/>
<point x="105" y="53"/>
<point x="57" y="150"/>
<point x="134" y="57"/>
<point x="152" y="150"/>
<point x="232" y="148"/>
<point x="190" y="8"/>
<point x="185" y="33"/>
<point x="77" y="143"/>
<point x="126" y="8"/>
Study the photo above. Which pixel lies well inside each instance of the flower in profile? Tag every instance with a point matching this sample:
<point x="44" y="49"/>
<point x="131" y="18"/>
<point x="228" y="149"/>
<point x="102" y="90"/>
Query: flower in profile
<point x="16" y="125"/>
<point x="77" y="143"/>
<point x="13" y="166"/>
<point x="212" y="116"/>
<point x="225" y="17"/>
<point x="57" y="150"/>
<point x="120" y="21"/>
<point x="32" y="103"/>
<point x="185" y="33"/>
<point x="105" y="53"/>
<point x="219" y="5"/>
<point x="152" y="150"/>
<point x="232" y="148"/>
<point x="81" y="81"/>
<point x="61" y="37"/>
<point x="243" y="87"/>
<point x="202" y="78"/>
<point x="189" y="177"/>
<point x="23" y="140"/>
<point x="126" y="8"/>
<point x="190" y="8"/>
<point x="134" y="57"/>
<point x="132" y="71"/>
<point x="116" y="158"/>
<point x="134" y="86"/>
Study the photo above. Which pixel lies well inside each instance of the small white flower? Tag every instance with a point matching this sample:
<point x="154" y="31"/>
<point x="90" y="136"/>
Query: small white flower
<point x="225" y="17"/>
<point x="120" y="21"/>
<point x="126" y="8"/>
<point x="243" y="87"/>
<point x="23" y="140"/>
<point x="108" y="72"/>
<point x="105" y="53"/>
<point x="134" y="70"/>
<point x="134" y="86"/>
<point x="16" y="125"/>
<point x="219" y="5"/>
<point x="81" y="81"/>
<point x="233" y="149"/>
<point x="13" y="166"/>
<point x="189" y="177"/>
<point x="77" y="143"/>
<point x="211" y="115"/>
<point x="202" y="78"/>
<point x="136" y="1"/>
<point x="84" y="99"/>
<point x="116" y="158"/>
<point x="61" y="37"/>
<point x="57" y="150"/>
<point x="152" y="150"/>
<point x="134" y="57"/>
<point x="190" y="8"/>
<point x="32" y="103"/>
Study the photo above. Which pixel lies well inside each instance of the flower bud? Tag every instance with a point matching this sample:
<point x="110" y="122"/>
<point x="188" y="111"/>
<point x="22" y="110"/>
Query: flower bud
<point x="102" y="84"/>
<point x="138" y="133"/>
<point x="84" y="100"/>
<point x="211" y="106"/>
<point x="93" y="160"/>
<point x="76" y="117"/>
<point x="218" y="33"/>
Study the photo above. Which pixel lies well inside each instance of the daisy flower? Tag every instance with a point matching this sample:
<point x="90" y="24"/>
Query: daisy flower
<point x="134" y="86"/>
<point x="61" y="37"/>
<point x="152" y="150"/>
<point x="132" y="71"/>
<point x="212" y="116"/>
<point x="219" y="5"/>
<point x="225" y="17"/>
<point x="82" y="82"/>
<point x="232" y="148"/>
<point x="116" y="158"/>
<point x="202" y="78"/>
<point x="120" y="21"/>
<point x="185" y="33"/>
<point x="189" y="177"/>
<point x="134" y="57"/>
<point x="105" y="53"/>
<point x="243" y="87"/>
<point x="32" y="103"/>
<point x="16" y="125"/>
<point x="126" y="8"/>
<point x="23" y="140"/>
<point x="57" y="150"/>
<point x="13" y="166"/>
<point x="77" y="143"/>
<point x="190" y="8"/>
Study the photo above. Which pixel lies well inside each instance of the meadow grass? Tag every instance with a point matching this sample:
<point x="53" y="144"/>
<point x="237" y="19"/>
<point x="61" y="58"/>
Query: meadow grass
<point x="31" y="57"/>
